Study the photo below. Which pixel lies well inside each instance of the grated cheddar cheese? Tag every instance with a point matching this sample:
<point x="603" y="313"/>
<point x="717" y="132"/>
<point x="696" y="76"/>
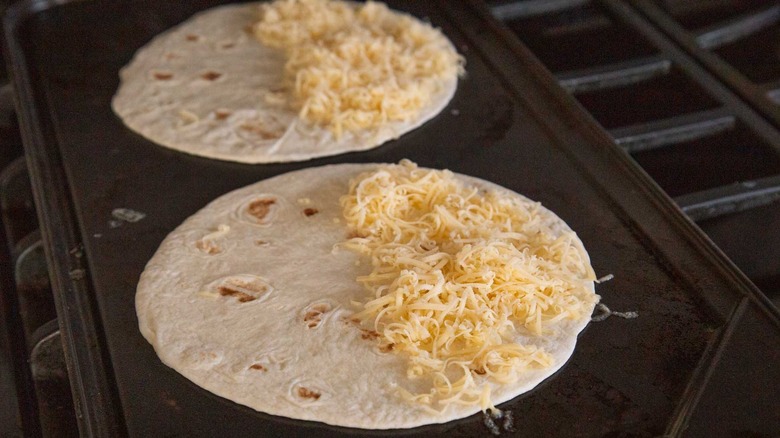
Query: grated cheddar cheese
<point x="457" y="272"/>
<point x="353" y="67"/>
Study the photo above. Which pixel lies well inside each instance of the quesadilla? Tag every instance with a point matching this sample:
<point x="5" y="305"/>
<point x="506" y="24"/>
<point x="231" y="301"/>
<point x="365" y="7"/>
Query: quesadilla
<point x="373" y="296"/>
<point x="287" y="81"/>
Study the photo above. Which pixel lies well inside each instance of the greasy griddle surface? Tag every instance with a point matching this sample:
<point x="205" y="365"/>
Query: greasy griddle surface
<point x="625" y="376"/>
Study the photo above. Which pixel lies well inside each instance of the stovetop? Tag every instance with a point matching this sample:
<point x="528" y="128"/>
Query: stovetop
<point x="690" y="90"/>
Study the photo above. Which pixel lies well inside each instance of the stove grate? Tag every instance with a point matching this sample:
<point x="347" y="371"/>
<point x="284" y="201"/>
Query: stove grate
<point x="639" y="69"/>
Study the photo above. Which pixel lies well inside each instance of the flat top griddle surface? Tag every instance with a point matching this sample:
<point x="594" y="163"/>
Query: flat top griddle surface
<point x="626" y="376"/>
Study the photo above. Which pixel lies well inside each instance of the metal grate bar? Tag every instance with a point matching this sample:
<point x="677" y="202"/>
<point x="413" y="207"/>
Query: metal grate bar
<point x="774" y="96"/>
<point x="17" y="211"/>
<point x="657" y="134"/>
<point x="721" y="34"/>
<point x="613" y="75"/>
<point x="758" y="95"/>
<point x="751" y="119"/>
<point x="730" y="199"/>
<point x="772" y="91"/>
<point x="530" y="8"/>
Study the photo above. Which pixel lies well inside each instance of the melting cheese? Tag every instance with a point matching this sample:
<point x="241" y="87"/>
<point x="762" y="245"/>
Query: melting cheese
<point x="357" y="67"/>
<point x="457" y="273"/>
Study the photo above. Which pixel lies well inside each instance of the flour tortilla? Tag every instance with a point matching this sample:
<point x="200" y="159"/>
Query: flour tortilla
<point x="260" y="353"/>
<point x="208" y="87"/>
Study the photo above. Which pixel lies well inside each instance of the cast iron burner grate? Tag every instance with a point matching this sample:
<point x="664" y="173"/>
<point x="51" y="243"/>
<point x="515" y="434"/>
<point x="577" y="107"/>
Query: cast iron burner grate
<point x="34" y="384"/>
<point x="689" y="90"/>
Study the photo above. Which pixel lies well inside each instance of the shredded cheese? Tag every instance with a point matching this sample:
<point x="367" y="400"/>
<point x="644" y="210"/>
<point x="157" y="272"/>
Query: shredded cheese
<point x="457" y="273"/>
<point x="356" y="67"/>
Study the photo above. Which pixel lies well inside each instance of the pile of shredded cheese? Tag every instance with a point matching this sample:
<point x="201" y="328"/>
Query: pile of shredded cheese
<point x="356" y="67"/>
<point x="457" y="272"/>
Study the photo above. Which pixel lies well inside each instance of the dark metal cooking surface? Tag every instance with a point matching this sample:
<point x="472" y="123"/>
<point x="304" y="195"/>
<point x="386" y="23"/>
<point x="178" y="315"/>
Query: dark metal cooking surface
<point x="507" y="124"/>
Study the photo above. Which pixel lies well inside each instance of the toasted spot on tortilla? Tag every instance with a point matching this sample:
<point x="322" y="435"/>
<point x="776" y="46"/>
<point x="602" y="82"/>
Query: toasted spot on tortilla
<point x="368" y="334"/>
<point x="304" y="392"/>
<point x="261" y="208"/>
<point x="192" y="37"/>
<point x="162" y="75"/>
<point x="310" y="211"/>
<point x="211" y="75"/>
<point x="307" y="392"/>
<point x="207" y="247"/>
<point x="312" y="315"/>
<point x="258" y="367"/>
<point x="243" y="288"/>
<point x="242" y="297"/>
<point x="222" y="114"/>
<point x="212" y="241"/>
<point x="258" y="209"/>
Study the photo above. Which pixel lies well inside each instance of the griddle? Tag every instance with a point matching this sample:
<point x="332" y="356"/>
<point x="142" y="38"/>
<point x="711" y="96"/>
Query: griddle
<point x="701" y="322"/>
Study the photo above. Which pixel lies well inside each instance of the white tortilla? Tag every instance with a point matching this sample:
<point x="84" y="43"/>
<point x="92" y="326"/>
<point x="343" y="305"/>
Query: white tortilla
<point x="182" y="111"/>
<point x="214" y="340"/>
